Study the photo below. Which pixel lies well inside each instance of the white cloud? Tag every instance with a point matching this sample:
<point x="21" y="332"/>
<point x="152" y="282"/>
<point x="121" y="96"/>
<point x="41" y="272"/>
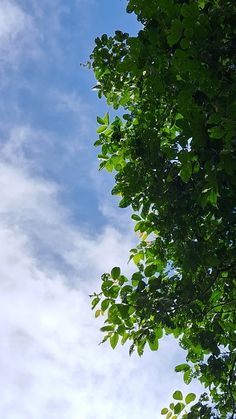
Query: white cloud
<point x="30" y="204"/>
<point x="17" y="35"/>
<point x="51" y="365"/>
<point x="12" y="21"/>
<point x="26" y="147"/>
<point x="29" y="32"/>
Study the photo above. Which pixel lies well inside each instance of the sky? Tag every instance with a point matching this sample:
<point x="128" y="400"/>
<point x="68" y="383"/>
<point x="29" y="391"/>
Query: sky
<point x="60" y="228"/>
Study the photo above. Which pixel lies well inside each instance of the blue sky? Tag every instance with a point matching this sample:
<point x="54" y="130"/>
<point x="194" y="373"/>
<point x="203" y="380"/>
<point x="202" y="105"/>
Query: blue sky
<point x="60" y="229"/>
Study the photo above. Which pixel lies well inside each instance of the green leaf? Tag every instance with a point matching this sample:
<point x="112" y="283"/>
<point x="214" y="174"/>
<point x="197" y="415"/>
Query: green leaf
<point x="138" y="226"/>
<point x="190" y="398"/>
<point x="150" y="270"/>
<point x="114" y="340"/>
<point x="97" y="143"/>
<point x="101" y="129"/>
<point x="100" y="121"/>
<point x="123" y="310"/>
<point x="109" y="166"/>
<point x="107" y="328"/>
<point x="178" y="408"/>
<point x="114" y="291"/>
<point x="153" y="344"/>
<point x="124" y="203"/>
<point x="158" y="332"/>
<point x="190" y="10"/>
<point x="136" y="278"/>
<point x="186" y="172"/>
<point x="95" y="301"/>
<point x="175" y="32"/>
<point x="213" y="196"/>
<point x="140" y="347"/>
<point x="177" y="395"/>
<point x="115" y="272"/>
<point x="137" y="258"/>
<point x="106" y="337"/>
<point x="125" y="337"/>
<point x="105" y="304"/>
<point x="182" y="367"/>
<point x="106" y="119"/>
<point x="107" y="284"/>
<point x="122" y="279"/>
<point x="164" y="411"/>
<point x="97" y="313"/>
<point x="187" y="376"/>
<point x="135" y="217"/>
<point x="121" y="330"/>
<point x="216" y="132"/>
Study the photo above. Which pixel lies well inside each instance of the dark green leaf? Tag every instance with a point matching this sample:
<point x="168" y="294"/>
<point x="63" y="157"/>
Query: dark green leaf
<point x="175" y="32"/>
<point x="178" y="408"/>
<point x="100" y="121"/>
<point x="115" y="272"/>
<point x="186" y="171"/>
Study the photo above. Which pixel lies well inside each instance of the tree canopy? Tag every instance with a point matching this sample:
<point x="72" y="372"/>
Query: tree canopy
<point x="173" y="154"/>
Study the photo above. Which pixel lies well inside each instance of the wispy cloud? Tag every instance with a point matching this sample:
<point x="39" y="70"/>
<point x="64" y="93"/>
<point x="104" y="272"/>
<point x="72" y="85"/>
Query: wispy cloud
<point x="13" y="22"/>
<point x="17" y="35"/>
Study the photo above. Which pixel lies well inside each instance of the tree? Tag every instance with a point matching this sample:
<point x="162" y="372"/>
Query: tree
<point x="173" y="152"/>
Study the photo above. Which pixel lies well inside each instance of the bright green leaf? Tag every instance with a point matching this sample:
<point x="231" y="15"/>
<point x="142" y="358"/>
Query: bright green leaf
<point x="187" y="376"/>
<point x="106" y="119"/>
<point x="114" y="340"/>
<point x="97" y="313"/>
<point x="105" y="304"/>
<point x="153" y="344"/>
<point x="182" y="367"/>
<point x="190" y="398"/>
<point x="177" y="395"/>
<point x="164" y="411"/>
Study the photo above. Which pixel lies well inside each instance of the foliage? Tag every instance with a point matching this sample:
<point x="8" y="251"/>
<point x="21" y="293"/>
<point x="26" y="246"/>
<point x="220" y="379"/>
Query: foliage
<point x="178" y="408"/>
<point x="173" y="152"/>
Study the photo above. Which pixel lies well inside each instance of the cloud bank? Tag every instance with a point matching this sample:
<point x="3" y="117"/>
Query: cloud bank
<point x="51" y="364"/>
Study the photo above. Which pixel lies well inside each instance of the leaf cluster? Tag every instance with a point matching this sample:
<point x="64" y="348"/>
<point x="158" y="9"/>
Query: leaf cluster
<point x="174" y="157"/>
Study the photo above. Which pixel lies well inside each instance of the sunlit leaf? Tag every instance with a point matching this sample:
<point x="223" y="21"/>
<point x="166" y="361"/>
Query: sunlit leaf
<point x="190" y="398"/>
<point x="177" y="395"/>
